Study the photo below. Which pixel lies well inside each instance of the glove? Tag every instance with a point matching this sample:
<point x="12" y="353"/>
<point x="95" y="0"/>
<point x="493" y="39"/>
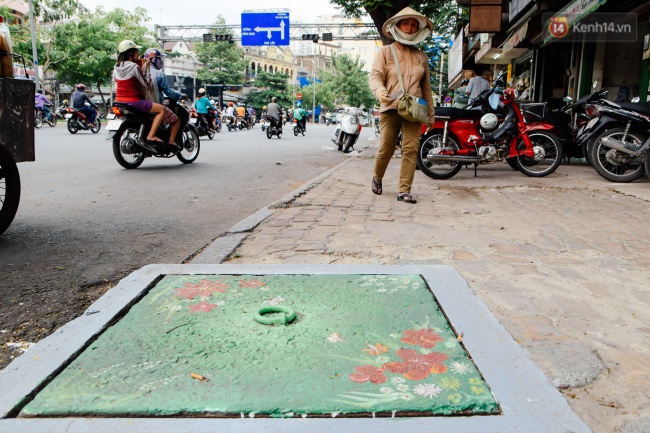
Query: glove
<point x="383" y="97"/>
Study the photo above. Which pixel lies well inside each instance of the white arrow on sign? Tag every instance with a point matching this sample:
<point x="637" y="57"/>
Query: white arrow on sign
<point x="272" y="29"/>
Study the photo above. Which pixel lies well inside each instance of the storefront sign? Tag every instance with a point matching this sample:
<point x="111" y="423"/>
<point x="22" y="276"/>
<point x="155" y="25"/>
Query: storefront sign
<point x="578" y="9"/>
<point x="485" y="16"/>
<point x="516" y="38"/>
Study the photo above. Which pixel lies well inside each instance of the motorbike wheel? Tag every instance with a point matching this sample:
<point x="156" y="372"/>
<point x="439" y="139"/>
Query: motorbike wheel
<point x="72" y="126"/>
<point x="586" y="152"/>
<point x="98" y="126"/>
<point x="437" y="170"/>
<point x="615" y="165"/>
<point x="52" y="121"/>
<point x="38" y="120"/>
<point x="218" y="128"/>
<point x="263" y="127"/>
<point x="269" y="133"/>
<point x="549" y="150"/>
<point x="349" y="142"/>
<point x="647" y="165"/>
<point x="210" y="135"/>
<point x="295" y="131"/>
<point x="9" y="189"/>
<point x="126" y="151"/>
<point x="191" y="147"/>
<point x="303" y="132"/>
<point x="279" y="135"/>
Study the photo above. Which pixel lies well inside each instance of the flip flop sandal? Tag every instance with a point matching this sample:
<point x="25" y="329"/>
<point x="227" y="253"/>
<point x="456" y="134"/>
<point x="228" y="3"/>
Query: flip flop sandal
<point x="406" y="198"/>
<point x="376" y="187"/>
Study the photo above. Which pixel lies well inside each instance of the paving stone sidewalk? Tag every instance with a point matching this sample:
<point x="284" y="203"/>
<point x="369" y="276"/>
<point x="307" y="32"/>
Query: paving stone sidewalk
<point x="561" y="261"/>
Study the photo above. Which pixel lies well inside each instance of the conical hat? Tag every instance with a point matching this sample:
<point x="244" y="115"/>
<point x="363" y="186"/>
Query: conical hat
<point x="407" y="12"/>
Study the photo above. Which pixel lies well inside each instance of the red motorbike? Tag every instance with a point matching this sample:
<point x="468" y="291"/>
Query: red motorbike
<point x="77" y="121"/>
<point x="495" y="131"/>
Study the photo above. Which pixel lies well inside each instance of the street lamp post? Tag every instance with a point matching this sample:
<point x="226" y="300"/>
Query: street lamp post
<point x="34" y="52"/>
<point x="313" y="102"/>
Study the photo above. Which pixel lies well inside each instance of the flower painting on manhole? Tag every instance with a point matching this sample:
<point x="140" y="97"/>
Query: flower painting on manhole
<point x="359" y="344"/>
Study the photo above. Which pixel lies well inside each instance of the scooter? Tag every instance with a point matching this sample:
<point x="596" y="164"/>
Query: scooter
<point x="201" y="127"/>
<point x="273" y="128"/>
<point x="347" y="131"/>
<point x="298" y="129"/>
<point x="77" y="121"/>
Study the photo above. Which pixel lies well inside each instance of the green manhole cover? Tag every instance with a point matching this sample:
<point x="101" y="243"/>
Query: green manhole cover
<point x="359" y="344"/>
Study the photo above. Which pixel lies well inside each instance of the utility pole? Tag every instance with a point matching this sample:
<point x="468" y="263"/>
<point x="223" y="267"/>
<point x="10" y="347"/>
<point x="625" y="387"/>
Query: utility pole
<point x="442" y="65"/>
<point x="34" y="52"/>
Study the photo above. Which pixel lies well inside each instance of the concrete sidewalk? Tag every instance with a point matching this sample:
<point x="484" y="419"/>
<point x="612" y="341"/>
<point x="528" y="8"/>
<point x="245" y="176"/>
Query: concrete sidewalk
<point x="561" y="261"/>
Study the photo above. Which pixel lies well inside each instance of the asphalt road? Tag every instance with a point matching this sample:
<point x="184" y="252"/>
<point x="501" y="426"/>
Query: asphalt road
<point x="84" y="222"/>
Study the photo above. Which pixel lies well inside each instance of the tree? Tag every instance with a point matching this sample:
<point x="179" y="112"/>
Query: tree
<point x="223" y="62"/>
<point x="348" y="82"/>
<point x="270" y="85"/>
<point x="445" y="14"/>
<point x="94" y="41"/>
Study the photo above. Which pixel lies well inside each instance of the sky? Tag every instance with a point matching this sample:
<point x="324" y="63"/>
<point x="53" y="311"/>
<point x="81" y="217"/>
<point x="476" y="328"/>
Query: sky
<point x="198" y="12"/>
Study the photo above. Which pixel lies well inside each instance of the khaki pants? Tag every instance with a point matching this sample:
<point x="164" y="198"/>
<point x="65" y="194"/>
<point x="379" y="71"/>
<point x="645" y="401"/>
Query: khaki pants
<point x="390" y="124"/>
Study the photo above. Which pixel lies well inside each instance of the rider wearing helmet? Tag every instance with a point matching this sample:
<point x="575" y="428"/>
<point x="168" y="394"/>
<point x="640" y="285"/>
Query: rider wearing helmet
<point x="79" y="99"/>
<point x="202" y="105"/>
<point x="39" y="102"/>
<point x="274" y="111"/>
<point x="161" y="88"/>
<point x="131" y="88"/>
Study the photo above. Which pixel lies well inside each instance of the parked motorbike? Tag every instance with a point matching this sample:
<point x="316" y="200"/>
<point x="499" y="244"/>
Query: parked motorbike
<point x="347" y="131"/>
<point x="466" y="136"/>
<point x="128" y="128"/>
<point x="616" y="139"/>
<point x="273" y="128"/>
<point x="77" y="121"/>
<point x="200" y="125"/>
<point x="298" y="129"/>
<point x="39" y="117"/>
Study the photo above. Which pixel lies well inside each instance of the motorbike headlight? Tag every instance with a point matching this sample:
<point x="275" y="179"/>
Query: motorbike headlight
<point x="354" y="121"/>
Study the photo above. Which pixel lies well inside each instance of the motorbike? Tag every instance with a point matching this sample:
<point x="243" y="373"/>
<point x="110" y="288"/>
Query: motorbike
<point x="230" y="123"/>
<point x="200" y="125"/>
<point x="77" y="121"/>
<point x="242" y="123"/>
<point x="273" y="128"/>
<point x="61" y="112"/>
<point x="298" y="129"/>
<point x="494" y="133"/>
<point x="128" y="128"/>
<point x="39" y="117"/>
<point x="347" y="131"/>
<point x="616" y="139"/>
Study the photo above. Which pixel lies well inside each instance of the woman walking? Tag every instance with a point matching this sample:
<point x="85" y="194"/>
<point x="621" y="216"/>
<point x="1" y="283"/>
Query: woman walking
<point x="407" y="28"/>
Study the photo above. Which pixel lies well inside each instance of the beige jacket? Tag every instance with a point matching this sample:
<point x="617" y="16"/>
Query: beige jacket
<point x="415" y="74"/>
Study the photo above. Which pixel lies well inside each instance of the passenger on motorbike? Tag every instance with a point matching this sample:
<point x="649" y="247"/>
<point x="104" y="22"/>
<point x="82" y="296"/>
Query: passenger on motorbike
<point x="161" y="88"/>
<point x="202" y="105"/>
<point x="39" y="102"/>
<point x="79" y="99"/>
<point x="131" y="88"/>
<point x="274" y="111"/>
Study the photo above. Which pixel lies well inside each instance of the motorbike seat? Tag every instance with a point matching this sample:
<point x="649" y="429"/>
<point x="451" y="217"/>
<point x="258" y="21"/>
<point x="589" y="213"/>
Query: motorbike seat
<point x="131" y="109"/>
<point x="639" y="108"/>
<point x="451" y="113"/>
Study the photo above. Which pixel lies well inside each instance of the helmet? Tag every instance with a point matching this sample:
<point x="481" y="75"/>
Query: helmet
<point x="264" y="108"/>
<point x="126" y="46"/>
<point x="65" y="101"/>
<point x="274" y="99"/>
<point x="80" y="86"/>
<point x="213" y="102"/>
<point x="152" y="52"/>
<point x="201" y="91"/>
<point x="489" y="121"/>
<point x="464" y="81"/>
<point x="230" y="104"/>
<point x="40" y="91"/>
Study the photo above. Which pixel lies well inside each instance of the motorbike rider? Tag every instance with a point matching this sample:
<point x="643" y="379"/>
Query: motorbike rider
<point x="131" y="88"/>
<point x="250" y="113"/>
<point x="230" y="113"/>
<point x="241" y="112"/>
<point x="274" y="111"/>
<point x="39" y="102"/>
<point x="301" y="117"/>
<point x="328" y="117"/>
<point x="203" y="106"/>
<point x="161" y="88"/>
<point x="79" y="99"/>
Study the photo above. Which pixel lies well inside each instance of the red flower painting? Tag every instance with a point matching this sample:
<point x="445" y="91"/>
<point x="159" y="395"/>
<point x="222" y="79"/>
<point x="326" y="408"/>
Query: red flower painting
<point x="203" y="289"/>
<point x="416" y="366"/>
<point x="251" y="284"/>
<point x="364" y="373"/>
<point x="423" y="337"/>
<point x="203" y="306"/>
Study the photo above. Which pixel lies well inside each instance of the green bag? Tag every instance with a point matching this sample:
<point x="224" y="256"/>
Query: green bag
<point x="410" y="108"/>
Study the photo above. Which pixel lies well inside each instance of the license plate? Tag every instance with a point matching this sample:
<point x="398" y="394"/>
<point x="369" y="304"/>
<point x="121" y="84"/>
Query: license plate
<point x="68" y="116"/>
<point x="113" y="125"/>
<point x="193" y="120"/>
<point x="110" y="116"/>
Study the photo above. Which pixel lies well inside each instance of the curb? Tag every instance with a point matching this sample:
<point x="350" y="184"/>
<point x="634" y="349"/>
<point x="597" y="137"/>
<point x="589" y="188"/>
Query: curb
<point x="221" y="248"/>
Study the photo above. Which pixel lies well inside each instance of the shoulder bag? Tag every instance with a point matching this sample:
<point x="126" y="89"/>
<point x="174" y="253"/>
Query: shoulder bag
<point x="410" y="108"/>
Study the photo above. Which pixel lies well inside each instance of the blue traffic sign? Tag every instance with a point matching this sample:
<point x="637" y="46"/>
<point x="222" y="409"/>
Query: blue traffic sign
<point x="268" y="28"/>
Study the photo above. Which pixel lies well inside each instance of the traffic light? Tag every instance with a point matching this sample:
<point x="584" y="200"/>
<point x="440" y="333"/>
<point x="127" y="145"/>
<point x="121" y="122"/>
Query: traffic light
<point x="309" y="37"/>
<point x="327" y="36"/>
<point x="211" y="37"/>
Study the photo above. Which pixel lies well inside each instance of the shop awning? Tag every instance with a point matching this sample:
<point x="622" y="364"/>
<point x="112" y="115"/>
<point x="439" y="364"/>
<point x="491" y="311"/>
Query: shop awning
<point x="574" y="12"/>
<point x="515" y="39"/>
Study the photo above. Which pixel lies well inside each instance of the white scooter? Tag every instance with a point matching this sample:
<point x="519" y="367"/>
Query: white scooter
<point x="347" y="131"/>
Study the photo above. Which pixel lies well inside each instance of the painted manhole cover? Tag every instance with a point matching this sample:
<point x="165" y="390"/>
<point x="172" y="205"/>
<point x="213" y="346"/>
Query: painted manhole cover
<point x="359" y="345"/>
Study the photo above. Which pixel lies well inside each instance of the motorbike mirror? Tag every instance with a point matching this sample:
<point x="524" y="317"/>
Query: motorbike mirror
<point x="567" y="99"/>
